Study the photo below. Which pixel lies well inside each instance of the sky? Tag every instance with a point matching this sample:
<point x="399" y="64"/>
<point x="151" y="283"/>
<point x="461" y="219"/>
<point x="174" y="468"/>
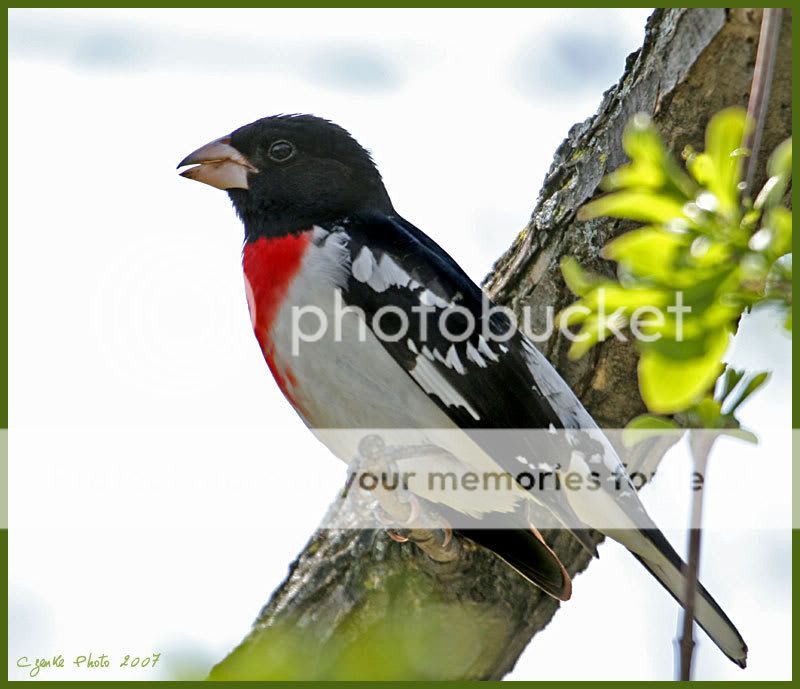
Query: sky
<point x="152" y="506"/>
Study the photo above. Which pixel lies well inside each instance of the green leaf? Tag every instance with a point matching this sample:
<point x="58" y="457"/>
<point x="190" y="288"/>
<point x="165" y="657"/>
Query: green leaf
<point x="771" y="193"/>
<point x="742" y="434"/>
<point x="643" y="145"/>
<point x="727" y="382"/>
<point x="779" y="169"/>
<point x="708" y="413"/>
<point x="672" y="377"/>
<point x="647" y="427"/>
<point x="708" y="252"/>
<point x="593" y="331"/>
<point x="750" y="219"/>
<point x="778" y="228"/>
<point x="651" y="166"/>
<point x="723" y="140"/>
<point x="652" y="422"/>
<point x="639" y="174"/>
<point x="737" y="398"/>
<point x="780" y="162"/>
<point x="578" y="280"/>
<point x="574" y="314"/>
<point x="647" y="252"/>
<point x="701" y="167"/>
<point x="643" y="206"/>
<point x="642" y="141"/>
<point x="611" y="296"/>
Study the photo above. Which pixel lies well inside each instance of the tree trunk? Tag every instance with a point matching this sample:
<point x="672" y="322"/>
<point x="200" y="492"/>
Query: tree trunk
<point x="357" y="605"/>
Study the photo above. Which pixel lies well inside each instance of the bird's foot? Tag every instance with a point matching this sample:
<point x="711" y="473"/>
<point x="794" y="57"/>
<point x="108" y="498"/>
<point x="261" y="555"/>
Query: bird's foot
<point x="398" y="512"/>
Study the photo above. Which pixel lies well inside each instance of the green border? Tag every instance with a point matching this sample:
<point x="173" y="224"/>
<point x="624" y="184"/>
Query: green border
<point x="795" y="374"/>
<point x="4" y="346"/>
<point x="406" y="5"/>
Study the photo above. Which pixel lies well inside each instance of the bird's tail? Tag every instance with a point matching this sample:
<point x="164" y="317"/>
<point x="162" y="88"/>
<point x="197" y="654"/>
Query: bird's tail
<point x="526" y="551"/>
<point x="654" y="551"/>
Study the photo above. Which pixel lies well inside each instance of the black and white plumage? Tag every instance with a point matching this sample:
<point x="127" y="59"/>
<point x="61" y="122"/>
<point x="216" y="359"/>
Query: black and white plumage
<point x="319" y="226"/>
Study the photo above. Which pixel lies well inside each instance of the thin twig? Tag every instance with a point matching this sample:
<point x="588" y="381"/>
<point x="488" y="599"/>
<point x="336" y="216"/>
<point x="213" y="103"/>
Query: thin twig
<point x="759" y="91"/>
<point x="701" y="449"/>
<point x="701" y="445"/>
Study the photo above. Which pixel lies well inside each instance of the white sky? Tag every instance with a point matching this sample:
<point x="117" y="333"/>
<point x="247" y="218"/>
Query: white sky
<point x="154" y="466"/>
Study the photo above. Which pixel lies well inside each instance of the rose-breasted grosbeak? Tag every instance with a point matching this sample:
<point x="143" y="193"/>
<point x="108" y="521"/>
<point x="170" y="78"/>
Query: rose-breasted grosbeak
<point x="319" y="223"/>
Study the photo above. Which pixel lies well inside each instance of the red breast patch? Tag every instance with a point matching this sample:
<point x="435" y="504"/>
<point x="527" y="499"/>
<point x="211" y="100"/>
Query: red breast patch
<point x="270" y="264"/>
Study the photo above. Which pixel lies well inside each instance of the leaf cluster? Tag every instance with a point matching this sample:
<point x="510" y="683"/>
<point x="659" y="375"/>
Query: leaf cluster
<point x="702" y="257"/>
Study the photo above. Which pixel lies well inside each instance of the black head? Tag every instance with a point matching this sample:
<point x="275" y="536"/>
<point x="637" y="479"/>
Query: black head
<point x="288" y="172"/>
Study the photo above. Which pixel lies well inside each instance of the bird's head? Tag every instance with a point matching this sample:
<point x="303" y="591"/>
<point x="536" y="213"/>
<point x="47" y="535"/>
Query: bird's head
<point x="288" y="172"/>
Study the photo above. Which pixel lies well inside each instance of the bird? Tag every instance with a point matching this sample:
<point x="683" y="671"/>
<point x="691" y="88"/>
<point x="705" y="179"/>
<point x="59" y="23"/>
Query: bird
<point x="320" y="235"/>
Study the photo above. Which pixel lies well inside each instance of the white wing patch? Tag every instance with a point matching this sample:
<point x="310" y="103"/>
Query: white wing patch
<point x="363" y="265"/>
<point x="388" y="274"/>
<point x="486" y="350"/>
<point x="385" y="273"/>
<point x="430" y="299"/>
<point x="379" y="275"/>
<point x="431" y="381"/>
<point x="329" y="257"/>
<point x="474" y="356"/>
<point x="453" y="361"/>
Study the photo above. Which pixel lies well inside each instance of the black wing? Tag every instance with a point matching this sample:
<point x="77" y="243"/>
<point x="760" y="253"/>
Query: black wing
<point x="474" y="364"/>
<point x="505" y="383"/>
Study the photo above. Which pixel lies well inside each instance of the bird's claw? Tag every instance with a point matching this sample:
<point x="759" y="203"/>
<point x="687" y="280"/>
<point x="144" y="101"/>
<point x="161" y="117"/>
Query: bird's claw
<point x="396" y="537"/>
<point x="415" y="510"/>
<point x="448" y="535"/>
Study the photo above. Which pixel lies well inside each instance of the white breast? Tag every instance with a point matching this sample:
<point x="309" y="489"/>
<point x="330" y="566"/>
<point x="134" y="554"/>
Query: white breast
<point x="348" y="386"/>
<point x="344" y="377"/>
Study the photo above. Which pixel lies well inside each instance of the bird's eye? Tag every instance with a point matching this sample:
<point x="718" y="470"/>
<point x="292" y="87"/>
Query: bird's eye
<point x="281" y="151"/>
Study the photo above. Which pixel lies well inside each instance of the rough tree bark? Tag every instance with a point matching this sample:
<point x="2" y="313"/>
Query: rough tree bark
<point x="693" y="63"/>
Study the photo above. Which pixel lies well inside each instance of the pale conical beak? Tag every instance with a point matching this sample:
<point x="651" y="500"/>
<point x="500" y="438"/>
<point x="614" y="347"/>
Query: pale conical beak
<point x="218" y="164"/>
